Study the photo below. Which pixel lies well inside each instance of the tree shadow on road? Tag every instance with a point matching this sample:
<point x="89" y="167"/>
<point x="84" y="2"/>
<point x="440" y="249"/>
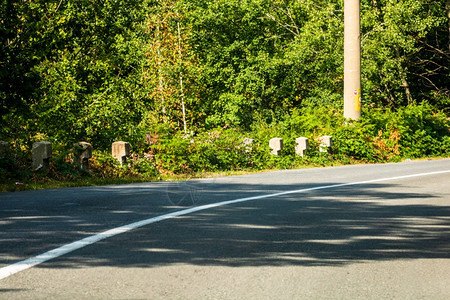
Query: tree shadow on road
<point x="317" y="228"/>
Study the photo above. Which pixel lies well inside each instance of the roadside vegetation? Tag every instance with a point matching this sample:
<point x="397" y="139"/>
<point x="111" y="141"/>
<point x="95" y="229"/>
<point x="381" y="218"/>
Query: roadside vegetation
<point x="186" y="81"/>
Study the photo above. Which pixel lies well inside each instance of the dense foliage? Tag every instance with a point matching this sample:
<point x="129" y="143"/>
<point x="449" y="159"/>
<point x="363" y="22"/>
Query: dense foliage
<point x="217" y="71"/>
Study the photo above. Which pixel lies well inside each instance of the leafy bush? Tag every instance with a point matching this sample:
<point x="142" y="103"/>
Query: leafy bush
<point x="8" y="168"/>
<point x="381" y="135"/>
<point x="414" y="131"/>
<point x="423" y="132"/>
<point x="216" y="150"/>
<point x="104" y="165"/>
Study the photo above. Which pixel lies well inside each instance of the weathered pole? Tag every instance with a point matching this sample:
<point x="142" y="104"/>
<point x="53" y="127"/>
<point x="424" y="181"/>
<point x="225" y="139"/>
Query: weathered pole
<point x="352" y="60"/>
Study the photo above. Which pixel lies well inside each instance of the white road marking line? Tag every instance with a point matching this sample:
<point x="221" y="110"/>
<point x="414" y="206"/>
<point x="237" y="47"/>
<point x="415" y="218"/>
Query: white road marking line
<point x="52" y="254"/>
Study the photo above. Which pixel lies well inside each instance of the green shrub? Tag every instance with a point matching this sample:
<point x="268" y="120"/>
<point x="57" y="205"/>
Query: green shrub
<point x="216" y="150"/>
<point x="423" y="132"/>
<point x="414" y="131"/>
<point x="381" y="135"/>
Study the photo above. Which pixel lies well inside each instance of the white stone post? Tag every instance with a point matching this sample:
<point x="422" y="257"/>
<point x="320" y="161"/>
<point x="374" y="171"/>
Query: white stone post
<point x="247" y="144"/>
<point x="326" y="142"/>
<point x="120" y="151"/>
<point x="301" y="145"/>
<point x="41" y="154"/>
<point x="276" y="144"/>
<point x="83" y="152"/>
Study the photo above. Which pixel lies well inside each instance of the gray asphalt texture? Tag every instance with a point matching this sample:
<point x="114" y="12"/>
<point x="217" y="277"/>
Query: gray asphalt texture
<point x="383" y="240"/>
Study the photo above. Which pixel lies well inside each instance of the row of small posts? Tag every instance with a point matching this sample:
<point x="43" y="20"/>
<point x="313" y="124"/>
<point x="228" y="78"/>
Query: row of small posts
<point x="41" y="153"/>
<point x="301" y="145"/>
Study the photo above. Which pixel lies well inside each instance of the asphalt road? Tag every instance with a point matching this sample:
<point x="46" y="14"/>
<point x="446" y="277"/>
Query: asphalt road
<point x="341" y="234"/>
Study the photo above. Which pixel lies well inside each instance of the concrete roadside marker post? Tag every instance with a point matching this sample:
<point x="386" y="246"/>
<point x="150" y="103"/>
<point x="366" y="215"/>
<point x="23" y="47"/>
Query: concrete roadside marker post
<point x="301" y="145"/>
<point x="247" y="144"/>
<point x="326" y="142"/>
<point x="41" y="153"/>
<point x="120" y="151"/>
<point x="83" y="152"/>
<point x="276" y="144"/>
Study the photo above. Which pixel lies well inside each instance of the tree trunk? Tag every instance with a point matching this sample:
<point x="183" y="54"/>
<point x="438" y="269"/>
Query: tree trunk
<point x="181" y="78"/>
<point x="448" y="17"/>
<point x="404" y="78"/>
<point x="406" y="87"/>
<point x="160" y="80"/>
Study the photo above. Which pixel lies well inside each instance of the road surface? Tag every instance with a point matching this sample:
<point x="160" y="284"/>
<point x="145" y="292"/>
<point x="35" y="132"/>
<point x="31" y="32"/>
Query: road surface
<point x="353" y="232"/>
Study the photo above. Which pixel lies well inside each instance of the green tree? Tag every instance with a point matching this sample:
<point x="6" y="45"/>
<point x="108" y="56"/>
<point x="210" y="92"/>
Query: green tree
<point x="79" y="69"/>
<point x="170" y="68"/>
<point x="76" y="67"/>
<point x="264" y="57"/>
<point x="405" y="52"/>
<point x="28" y="35"/>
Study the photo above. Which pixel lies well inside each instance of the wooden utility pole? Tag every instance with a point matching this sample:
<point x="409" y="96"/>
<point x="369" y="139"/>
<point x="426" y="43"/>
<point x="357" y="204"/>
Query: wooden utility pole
<point x="352" y="60"/>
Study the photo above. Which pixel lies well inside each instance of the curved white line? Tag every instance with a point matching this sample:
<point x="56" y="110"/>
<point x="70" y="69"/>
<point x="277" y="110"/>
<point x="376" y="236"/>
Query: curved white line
<point x="33" y="261"/>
